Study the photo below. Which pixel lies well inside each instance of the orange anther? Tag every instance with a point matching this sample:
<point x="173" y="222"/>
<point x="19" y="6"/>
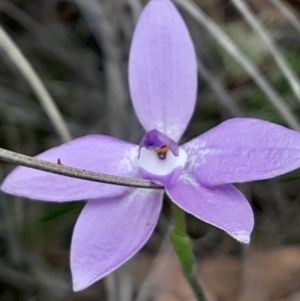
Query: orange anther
<point x="162" y="151"/>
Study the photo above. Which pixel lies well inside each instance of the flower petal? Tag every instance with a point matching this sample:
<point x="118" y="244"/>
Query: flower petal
<point x="163" y="70"/>
<point x="243" y="149"/>
<point x="108" y="232"/>
<point x="94" y="153"/>
<point x="222" y="206"/>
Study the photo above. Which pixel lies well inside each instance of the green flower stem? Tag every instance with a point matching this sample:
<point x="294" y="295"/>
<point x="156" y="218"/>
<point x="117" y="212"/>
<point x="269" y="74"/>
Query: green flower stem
<point x="183" y="248"/>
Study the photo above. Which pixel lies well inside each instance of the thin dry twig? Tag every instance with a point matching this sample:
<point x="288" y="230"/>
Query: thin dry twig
<point x="20" y="159"/>
<point x="14" y="53"/>
<point x="230" y="46"/>
<point x="290" y="75"/>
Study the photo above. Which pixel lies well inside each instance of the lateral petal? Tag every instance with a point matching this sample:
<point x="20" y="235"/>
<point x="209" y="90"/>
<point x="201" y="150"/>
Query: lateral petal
<point x="163" y="70"/>
<point x="224" y="206"/>
<point x="109" y="232"/>
<point x="97" y="153"/>
<point x="243" y="149"/>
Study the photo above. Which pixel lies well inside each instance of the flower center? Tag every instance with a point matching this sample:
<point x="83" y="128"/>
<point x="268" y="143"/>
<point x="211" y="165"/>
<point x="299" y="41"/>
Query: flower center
<point x="159" y="156"/>
<point x="162" y="152"/>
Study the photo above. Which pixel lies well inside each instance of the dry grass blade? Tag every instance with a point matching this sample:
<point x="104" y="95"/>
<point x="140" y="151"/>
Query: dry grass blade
<point x="229" y="45"/>
<point x="272" y="47"/>
<point x="223" y="97"/>
<point x="136" y="7"/>
<point x="55" y="41"/>
<point x="288" y="13"/>
<point x="103" y="23"/>
<point x="14" y="53"/>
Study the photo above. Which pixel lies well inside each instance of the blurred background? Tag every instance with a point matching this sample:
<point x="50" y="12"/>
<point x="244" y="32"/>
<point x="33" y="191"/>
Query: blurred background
<point x="249" y="62"/>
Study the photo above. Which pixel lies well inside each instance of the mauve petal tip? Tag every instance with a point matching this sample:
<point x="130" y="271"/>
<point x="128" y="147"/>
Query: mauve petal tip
<point x="2" y="187"/>
<point x="243" y="237"/>
<point x="80" y="286"/>
<point x="77" y="287"/>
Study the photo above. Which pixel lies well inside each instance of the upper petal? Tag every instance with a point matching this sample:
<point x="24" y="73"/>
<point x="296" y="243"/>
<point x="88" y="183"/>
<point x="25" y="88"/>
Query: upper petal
<point x="97" y="153"/>
<point x="163" y="70"/>
<point x="241" y="150"/>
<point x="108" y="232"/>
<point x="222" y="206"/>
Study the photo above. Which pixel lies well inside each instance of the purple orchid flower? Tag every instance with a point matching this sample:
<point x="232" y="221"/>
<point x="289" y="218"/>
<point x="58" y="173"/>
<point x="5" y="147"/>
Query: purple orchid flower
<point x="117" y="221"/>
